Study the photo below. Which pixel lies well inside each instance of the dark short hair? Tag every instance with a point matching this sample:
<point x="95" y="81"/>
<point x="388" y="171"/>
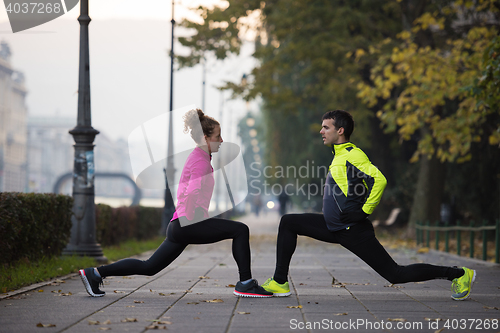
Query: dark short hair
<point x="343" y="119"/>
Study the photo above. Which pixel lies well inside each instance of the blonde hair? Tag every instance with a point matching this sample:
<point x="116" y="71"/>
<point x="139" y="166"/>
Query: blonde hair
<point x="191" y="120"/>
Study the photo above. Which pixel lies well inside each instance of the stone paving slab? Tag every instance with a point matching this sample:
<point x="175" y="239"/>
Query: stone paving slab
<point x="176" y="298"/>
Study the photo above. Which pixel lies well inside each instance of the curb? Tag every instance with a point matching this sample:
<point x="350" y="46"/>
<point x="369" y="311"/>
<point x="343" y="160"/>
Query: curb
<point x="44" y="283"/>
<point x="457" y="257"/>
<point x="35" y="286"/>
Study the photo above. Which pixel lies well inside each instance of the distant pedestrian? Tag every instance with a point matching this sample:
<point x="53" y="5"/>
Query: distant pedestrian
<point x="257" y="204"/>
<point x="191" y="223"/>
<point x="353" y="189"/>
<point x="283" y="199"/>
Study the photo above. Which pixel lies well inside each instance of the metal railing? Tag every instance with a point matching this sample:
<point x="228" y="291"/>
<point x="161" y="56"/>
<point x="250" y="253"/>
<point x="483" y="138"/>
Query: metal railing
<point x="424" y="231"/>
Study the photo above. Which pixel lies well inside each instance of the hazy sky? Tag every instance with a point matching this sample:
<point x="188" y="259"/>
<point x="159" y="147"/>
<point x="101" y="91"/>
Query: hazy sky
<point x="129" y="65"/>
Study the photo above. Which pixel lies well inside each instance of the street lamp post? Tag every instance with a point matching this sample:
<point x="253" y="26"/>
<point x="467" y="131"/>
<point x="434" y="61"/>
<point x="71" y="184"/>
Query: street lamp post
<point x="169" y="209"/>
<point x="83" y="237"/>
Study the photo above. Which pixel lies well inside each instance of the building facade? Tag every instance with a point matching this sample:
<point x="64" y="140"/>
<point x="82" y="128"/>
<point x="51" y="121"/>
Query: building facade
<point x="13" y="131"/>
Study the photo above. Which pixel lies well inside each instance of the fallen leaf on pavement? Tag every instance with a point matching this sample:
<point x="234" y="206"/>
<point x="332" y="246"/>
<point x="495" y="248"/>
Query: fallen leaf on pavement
<point x="193" y="303"/>
<point x="107" y="322"/>
<point x="162" y="294"/>
<point x="490" y="307"/>
<point x="104" y="328"/>
<point x="230" y="286"/>
<point x="243" y="312"/>
<point x="164" y="322"/>
<point x="396" y="319"/>
<point x="129" y="320"/>
<point x="295" y="307"/>
<point x="118" y="292"/>
<point x="340" y="314"/>
<point x="40" y="290"/>
<point x="203" y="277"/>
<point x="64" y="294"/>
<point x="45" y="325"/>
<point x="213" y="301"/>
<point x="423" y="250"/>
<point x="156" y="327"/>
<point x="94" y="322"/>
<point x="138" y="301"/>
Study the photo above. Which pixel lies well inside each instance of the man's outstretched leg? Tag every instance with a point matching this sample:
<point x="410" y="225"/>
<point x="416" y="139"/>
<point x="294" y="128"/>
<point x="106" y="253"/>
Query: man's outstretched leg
<point x="360" y="239"/>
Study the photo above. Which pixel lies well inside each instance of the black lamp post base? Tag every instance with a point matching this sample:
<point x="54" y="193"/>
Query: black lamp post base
<point x="89" y="250"/>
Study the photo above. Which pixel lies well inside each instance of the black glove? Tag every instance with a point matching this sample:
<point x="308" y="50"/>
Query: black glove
<point x="351" y="217"/>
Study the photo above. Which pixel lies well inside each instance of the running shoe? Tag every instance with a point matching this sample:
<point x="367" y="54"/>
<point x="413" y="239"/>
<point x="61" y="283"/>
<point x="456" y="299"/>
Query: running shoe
<point x="91" y="282"/>
<point x="250" y="289"/>
<point x="462" y="286"/>
<point x="278" y="290"/>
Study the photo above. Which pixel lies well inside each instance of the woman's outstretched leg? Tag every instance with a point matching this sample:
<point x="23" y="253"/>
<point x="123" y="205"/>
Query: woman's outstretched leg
<point x="167" y="252"/>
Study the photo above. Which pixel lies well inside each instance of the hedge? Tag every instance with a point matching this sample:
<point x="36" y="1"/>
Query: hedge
<point x="115" y="225"/>
<point x="33" y="225"/>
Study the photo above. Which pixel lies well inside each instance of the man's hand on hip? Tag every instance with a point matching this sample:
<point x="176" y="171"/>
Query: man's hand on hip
<point x="351" y="217"/>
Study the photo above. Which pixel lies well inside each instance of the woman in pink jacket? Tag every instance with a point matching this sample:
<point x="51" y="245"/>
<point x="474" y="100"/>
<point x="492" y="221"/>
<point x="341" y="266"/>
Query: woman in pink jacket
<point x="191" y="223"/>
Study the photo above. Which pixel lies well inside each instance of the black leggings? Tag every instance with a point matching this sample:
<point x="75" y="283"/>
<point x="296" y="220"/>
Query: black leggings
<point x="360" y="240"/>
<point x="209" y="231"/>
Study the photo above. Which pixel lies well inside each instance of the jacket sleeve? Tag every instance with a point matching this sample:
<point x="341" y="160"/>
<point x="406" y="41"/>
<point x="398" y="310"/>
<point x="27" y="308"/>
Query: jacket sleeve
<point x="373" y="179"/>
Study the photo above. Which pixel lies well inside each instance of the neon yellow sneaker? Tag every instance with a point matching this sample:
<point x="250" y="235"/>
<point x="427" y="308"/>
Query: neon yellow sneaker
<point x="278" y="290"/>
<point x="462" y="286"/>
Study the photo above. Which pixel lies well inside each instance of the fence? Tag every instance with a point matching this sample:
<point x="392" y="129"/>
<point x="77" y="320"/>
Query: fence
<point x="427" y="228"/>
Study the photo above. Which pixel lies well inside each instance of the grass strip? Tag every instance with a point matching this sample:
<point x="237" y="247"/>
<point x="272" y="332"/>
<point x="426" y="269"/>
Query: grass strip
<point x="130" y="248"/>
<point x="24" y="272"/>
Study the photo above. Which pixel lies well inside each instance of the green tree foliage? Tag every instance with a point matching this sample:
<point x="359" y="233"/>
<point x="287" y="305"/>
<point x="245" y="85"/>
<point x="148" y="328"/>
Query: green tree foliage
<point x="425" y="86"/>
<point x="433" y="88"/>
<point x="487" y="88"/>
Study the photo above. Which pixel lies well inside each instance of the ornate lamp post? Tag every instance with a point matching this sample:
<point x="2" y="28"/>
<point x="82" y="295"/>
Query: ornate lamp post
<point x="83" y="238"/>
<point x="169" y="208"/>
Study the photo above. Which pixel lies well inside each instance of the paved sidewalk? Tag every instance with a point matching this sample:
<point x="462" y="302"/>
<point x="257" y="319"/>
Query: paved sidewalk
<point x="194" y="295"/>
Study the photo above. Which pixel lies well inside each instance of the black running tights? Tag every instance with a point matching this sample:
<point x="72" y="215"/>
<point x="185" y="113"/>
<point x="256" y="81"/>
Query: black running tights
<point x="360" y="240"/>
<point x="209" y="231"/>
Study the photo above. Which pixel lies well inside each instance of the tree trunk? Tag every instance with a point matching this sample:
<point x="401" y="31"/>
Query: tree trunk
<point x="428" y="194"/>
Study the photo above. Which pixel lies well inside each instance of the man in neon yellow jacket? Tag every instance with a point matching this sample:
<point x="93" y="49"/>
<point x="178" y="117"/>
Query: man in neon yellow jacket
<point x="354" y="187"/>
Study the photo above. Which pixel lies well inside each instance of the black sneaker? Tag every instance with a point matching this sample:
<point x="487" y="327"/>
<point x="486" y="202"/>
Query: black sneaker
<point x="91" y="282"/>
<point x="251" y="289"/>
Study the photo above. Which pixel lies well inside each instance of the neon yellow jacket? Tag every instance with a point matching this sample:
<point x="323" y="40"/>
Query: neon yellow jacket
<point x="353" y="183"/>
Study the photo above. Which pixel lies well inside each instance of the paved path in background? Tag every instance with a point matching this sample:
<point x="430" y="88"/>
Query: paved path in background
<point x="181" y="297"/>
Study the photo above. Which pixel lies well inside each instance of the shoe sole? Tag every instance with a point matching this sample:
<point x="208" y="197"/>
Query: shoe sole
<point x="468" y="294"/>
<point x="241" y="294"/>
<point x="86" y="283"/>
<point x="282" y="294"/>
